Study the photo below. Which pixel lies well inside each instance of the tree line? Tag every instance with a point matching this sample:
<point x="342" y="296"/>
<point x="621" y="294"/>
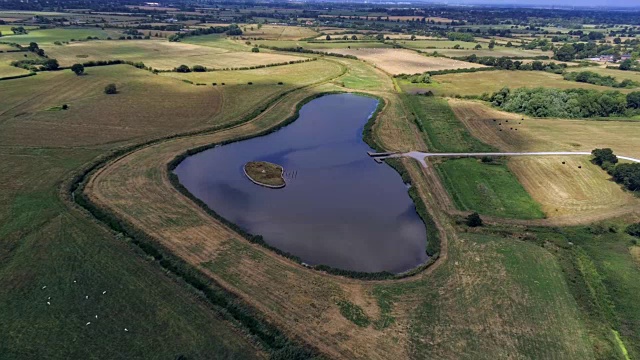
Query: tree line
<point x="568" y="103"/>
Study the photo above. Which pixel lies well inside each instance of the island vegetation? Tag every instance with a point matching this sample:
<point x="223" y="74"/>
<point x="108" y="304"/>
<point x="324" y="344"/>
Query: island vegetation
<point x="265" y="174"/>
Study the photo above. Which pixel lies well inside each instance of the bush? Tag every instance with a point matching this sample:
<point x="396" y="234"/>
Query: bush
<point x="110" y="89"/>
<point x="255" y="49"/>
<point x="474" y="220"/>
<point x="634" y="230"/>
<point x="183" y="69"/>
<point x="65" y="107"/>
<point x="197" y="68"/>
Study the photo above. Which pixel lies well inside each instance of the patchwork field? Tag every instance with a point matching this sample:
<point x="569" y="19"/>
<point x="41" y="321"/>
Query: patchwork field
<point x="161" y="54"/>
<point x="397" y="61"/>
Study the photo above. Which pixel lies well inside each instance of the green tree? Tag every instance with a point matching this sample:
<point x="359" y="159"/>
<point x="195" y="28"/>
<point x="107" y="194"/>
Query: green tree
<point x="492" y="44"/>
<point x="566" y="53"/>
<point x="328" y="37"/>
<point x="380" y="37"/>
<point x="633" y="100"/>
<point x="474" y="220"/>
<point x="78" y="69"/>
<point x="602" y="156"/>
<point x="110" y="89"/>
<point x="353" y="37"/>
<point x="255" y="49"/>
<point x="198" y="68"/>
<point x="478" y="47"/>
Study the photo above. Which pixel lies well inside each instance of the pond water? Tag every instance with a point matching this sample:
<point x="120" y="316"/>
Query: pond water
<point x="339" y="207"/>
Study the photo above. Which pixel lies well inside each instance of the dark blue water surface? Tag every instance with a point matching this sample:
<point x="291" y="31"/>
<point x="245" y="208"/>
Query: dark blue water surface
<point x="339" y="207"/>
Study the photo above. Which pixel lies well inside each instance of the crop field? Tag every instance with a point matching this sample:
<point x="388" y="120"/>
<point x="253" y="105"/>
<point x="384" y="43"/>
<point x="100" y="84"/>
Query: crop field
<point x="323" y="45"/>
<point x="395" y="61"/>
<point x="161" y="55"/>
<point x="492" y="81"/>
<point x="6" y="29"/>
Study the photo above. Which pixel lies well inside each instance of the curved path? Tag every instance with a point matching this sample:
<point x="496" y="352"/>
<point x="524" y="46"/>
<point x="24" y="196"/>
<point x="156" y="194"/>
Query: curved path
<point x="420" y="156"/>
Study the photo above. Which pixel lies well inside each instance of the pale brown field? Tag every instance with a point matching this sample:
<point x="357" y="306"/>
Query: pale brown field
<point x="162" y="54"/>
<point x="400" y="61"/>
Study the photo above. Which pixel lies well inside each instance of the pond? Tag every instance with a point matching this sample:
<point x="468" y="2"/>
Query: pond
<point x="338" y="208"/>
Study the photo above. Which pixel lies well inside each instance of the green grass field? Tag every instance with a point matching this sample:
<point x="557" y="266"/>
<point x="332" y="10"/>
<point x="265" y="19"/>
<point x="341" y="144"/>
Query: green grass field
<point x="488" y="188"/>
<point x="440" y="128"/>
<point x="217" y="41"/>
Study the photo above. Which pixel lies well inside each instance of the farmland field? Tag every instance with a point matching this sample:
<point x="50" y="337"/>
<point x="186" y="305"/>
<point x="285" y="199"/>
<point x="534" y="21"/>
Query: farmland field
<point x="492" y="81"/>
<point x="49" y="36"/>
<point x="161" y="55"/>
<point x="105" y="254"/>
<point x="395" y="61"/>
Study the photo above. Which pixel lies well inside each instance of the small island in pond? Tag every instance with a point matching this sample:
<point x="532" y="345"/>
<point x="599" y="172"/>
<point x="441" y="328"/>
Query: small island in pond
<point x="265" y="174"/>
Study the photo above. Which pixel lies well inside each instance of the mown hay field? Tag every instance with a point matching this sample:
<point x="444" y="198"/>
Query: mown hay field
<point x="566" y="185"/>
<point x="399" y="61"/>
<point x="491" y="81"/>
<point x="161" y="55"/>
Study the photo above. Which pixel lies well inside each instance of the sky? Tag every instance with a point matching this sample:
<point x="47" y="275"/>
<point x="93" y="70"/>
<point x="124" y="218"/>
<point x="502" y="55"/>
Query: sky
<point x="563" y="3"/>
